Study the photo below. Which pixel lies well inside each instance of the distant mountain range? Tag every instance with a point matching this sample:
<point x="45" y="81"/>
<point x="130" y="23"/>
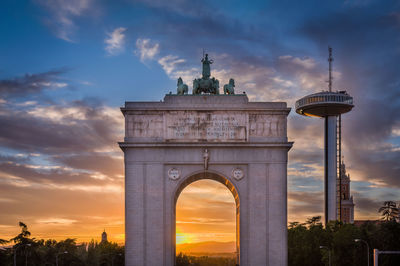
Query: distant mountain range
<point x="207" y="247"/>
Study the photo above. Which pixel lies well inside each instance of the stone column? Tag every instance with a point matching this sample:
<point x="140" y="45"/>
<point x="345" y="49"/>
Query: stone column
<point x="257" y="220"/>
<point x="134" y="214"/>
<point x="277" y="210"/>
<point x="154" y="214"/>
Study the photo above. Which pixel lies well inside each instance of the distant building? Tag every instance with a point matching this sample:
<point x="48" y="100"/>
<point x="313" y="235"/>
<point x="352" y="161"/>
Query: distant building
<point x="347" y="204"/>
<point x="104" y="237"/>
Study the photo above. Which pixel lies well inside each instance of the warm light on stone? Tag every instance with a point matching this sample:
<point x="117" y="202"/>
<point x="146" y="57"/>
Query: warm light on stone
<point x="170" y="144"/>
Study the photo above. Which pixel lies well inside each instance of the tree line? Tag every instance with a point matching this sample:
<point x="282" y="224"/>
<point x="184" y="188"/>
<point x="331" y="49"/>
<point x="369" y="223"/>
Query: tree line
<point x="309" y="243"/>
<point x="187" y="260"/>
<point x="25" y="250"/>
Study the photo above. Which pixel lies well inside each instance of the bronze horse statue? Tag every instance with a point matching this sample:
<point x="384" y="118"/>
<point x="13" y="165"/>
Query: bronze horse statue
<point x="230" y="88"/>
<point x="182" y="88"/>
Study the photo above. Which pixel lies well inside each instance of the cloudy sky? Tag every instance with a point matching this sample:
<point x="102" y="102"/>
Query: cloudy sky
<point x="67" y="66"/>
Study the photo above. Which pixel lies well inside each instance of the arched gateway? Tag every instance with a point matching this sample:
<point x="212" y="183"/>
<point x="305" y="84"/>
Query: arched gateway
<point x="223" y="180"/>
<point x="171" y="143"/>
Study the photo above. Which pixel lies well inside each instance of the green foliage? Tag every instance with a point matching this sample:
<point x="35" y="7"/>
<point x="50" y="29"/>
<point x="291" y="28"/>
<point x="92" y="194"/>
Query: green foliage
<point x="23" y="237"/>
<point x="186" y="260"/>
<point x="182" y="260"/>
<point x="44" y="252"/>
<point x="304" y="241"/>
<point x="389" y="211"/>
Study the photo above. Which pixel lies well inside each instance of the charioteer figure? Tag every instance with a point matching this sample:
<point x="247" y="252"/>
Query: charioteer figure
<point x="209" y="85"/>
<point x="206" y="84"/>
<point x="206" y="67"/>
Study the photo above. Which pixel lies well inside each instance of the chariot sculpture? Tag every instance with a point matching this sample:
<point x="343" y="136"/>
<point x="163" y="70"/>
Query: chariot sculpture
<point x="210" y="86"/>
<point x="206" y="84"/>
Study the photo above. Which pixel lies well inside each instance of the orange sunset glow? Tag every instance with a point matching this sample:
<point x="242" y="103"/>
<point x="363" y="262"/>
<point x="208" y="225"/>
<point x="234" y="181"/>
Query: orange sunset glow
<point x="205" y="212"/>
<point x="117" y="117"/>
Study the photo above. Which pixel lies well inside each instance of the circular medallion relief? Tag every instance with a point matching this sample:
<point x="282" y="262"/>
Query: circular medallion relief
<point x="237" y="173"/>
<point x="174" y="173"/>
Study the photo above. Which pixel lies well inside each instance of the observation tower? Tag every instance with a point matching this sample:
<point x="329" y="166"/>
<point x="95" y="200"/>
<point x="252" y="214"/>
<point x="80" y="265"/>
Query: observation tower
<point x="329" y="105"/>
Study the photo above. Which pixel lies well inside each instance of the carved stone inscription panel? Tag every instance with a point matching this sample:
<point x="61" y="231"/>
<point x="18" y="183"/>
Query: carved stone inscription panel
<point x="143" y="125"/>
<point x="206" y="126"/>
<point x="210" y="126"/>
<point x="267" y="125"/>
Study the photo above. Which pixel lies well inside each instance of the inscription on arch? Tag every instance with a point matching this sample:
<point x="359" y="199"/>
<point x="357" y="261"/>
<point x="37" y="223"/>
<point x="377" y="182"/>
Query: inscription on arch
<point x="210" y="126"/>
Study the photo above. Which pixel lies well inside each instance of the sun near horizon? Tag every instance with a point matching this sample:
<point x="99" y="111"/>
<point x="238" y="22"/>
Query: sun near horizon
<point x="205" y="212"/>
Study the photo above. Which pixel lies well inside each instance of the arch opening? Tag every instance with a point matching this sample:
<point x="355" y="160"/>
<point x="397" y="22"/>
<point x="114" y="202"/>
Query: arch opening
<point x="208" y="178"/>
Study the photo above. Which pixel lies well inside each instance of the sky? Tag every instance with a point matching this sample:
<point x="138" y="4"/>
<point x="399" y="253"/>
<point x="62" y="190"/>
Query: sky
<point x="66" y="66"/>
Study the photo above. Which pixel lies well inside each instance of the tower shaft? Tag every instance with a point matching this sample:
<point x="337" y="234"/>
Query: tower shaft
<point x="339" y="167"/>
<point x="330" y="168"/>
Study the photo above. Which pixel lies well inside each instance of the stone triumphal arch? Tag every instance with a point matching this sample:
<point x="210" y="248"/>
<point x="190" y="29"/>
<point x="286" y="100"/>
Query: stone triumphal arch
<point x="227" y="138"/>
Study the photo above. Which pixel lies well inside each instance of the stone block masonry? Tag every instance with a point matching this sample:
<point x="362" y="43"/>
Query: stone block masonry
<point x="172" y="143"/>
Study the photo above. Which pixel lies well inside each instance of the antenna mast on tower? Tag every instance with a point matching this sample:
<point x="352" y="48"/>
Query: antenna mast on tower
<point x="330" y="59"/>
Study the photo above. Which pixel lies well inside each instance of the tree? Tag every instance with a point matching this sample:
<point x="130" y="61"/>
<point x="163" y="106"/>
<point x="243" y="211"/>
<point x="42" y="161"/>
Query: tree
<point x="23" y="237"/>
<point x="304" y="241"/>
<point x="313" y="221"/>
<point x="182" y="260"/>
<point x="389" y="211"/>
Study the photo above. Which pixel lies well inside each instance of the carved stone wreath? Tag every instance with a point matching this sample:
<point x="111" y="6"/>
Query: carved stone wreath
<point x="237" y="173"/>
<point x="174" y="174"/>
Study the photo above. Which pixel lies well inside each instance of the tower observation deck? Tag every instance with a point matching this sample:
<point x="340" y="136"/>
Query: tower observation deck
<point x="329" y="105"/>
<point x="325" y="103"/>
